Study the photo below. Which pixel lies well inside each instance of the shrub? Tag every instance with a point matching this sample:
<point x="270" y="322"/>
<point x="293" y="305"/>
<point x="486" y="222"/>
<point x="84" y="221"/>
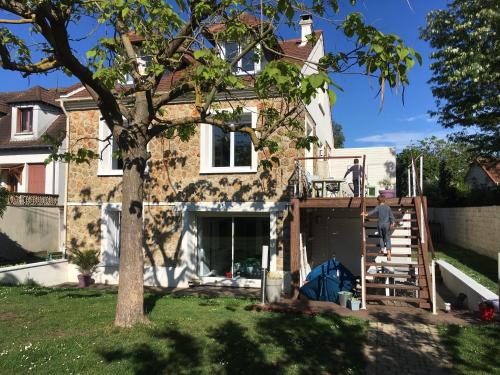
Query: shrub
<point x="86" y="260"/>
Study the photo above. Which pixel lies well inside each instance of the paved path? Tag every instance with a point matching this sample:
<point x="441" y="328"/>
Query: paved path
<point x="408" y="348"/>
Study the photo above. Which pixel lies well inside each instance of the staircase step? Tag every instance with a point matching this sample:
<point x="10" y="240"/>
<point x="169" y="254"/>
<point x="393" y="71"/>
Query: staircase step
<point x="400" y="220"/>
<point x="390" y="264"/>
<point x="399" y="236"/>
<point x="394" y="246"/>
<point x="392" y="286"/>
<point x="375" y="228"/>
<point x="375" y="297"/>
<point x="391" y="275"/>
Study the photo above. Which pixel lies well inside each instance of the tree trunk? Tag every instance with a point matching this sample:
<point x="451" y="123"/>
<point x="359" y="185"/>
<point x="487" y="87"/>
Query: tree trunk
<point x="130" y="304"/>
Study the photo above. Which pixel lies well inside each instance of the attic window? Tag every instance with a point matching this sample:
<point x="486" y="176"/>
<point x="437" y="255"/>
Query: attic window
<point x="25" y="120"/>
<point x="247" y="64"/>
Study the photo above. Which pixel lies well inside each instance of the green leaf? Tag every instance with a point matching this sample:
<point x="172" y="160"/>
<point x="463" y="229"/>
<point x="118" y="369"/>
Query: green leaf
<point x="333" y="97"/>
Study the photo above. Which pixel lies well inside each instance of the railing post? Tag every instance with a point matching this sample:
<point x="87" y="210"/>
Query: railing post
<point x="363" y="238"/>
<point x="433" y="270"/>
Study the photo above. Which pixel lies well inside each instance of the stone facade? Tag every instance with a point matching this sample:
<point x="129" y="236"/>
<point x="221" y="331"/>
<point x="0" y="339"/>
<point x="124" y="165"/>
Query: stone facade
<point x="174" y="177"/>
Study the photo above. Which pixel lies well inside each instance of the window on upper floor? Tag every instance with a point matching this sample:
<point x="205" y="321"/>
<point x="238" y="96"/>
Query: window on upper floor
<point x="248" y="64"/>
<point x="24" y="120"/>
<point x="228" y="152"/>
<point x="110" y="164"/>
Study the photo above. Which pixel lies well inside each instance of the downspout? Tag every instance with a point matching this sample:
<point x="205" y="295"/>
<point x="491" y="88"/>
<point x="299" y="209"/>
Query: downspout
<point x="66" y="179"/>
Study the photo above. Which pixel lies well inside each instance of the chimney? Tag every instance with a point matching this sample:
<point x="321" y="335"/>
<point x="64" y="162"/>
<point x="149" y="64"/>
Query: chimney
<point x="306" y="28"/>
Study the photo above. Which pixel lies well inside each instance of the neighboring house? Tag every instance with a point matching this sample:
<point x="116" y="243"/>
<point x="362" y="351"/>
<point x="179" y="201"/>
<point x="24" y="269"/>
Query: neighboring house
<point x="483" y="174"/>
<point x="209" y="208"/>
<point x="25" y="117"/>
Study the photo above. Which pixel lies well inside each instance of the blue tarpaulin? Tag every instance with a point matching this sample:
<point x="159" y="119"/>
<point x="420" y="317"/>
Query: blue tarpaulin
<point x="327" y="280"/>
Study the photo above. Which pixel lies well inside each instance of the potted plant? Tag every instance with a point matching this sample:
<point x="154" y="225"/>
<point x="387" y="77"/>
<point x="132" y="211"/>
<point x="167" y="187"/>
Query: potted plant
<point x="86" y="261"/>
<point x="274" y="282"/>
<point x="354" y="304"/>
<point x="487" y="310"/>
<point x="388" y="192"/>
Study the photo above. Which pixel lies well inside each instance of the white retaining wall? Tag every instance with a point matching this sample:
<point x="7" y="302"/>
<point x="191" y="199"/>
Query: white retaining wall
<point x="458" y="282"/>
<point x="474" y="228"/>
<point x="49" y="273"/>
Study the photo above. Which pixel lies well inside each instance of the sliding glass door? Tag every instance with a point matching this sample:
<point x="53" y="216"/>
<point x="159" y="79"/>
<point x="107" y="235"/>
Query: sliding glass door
<point x="231" y="247"/>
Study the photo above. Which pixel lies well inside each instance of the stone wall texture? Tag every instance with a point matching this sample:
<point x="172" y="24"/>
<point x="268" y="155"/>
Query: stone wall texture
<point x="174" y="176"/>
<point x="474" y="228"/>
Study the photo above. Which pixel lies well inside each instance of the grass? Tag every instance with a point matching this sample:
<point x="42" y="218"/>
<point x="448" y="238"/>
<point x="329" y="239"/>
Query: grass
<point x="475" y="349"/>
<point x="57" y="331"/>
<point x="481" y="268"/>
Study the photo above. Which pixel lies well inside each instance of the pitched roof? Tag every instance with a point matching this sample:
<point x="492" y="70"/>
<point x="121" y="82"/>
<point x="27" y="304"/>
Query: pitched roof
<point x="245" y="18"/>
<point x="35" y="94"/>
<point x="491" y="168"/>
<point x="291" y="49"/>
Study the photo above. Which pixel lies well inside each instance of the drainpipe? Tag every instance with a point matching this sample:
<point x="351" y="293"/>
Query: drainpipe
<point x="66" y="177"/>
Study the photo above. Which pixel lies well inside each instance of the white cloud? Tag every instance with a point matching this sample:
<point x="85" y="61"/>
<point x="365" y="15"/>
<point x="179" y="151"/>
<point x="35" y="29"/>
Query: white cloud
<point x="399" y="139"/>
<point x="423" y="116"/>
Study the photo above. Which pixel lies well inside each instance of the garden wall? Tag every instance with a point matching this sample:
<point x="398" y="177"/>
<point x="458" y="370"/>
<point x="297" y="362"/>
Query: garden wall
<point x="25" y="231"/>
<point x="49" y="273"/>
<point x="474" y="228"/>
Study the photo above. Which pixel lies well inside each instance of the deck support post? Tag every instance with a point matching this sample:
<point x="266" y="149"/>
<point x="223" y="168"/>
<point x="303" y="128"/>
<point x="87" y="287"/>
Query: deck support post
<point x="294" y="246"/>
<point x="363" y="283"/>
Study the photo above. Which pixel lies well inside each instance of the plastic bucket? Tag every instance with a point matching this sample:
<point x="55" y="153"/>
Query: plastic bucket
<point x="273" y="290"/>
<point x="344" y="297"/>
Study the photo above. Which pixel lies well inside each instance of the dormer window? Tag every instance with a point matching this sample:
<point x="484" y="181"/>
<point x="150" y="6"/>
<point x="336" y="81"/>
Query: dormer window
<point x="248" y="64"/>
<point x="25" y="120"/>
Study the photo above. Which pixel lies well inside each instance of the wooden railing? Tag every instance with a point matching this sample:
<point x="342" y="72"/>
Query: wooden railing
<point x="33" y="199"/>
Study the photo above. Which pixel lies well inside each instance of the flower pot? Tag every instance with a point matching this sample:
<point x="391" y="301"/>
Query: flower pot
<point x="486" y="313"/>
<point x="84" y="280"/>
<point x="273" y="290"/>
<point x="387" y="193"/>
<point x="354" y="305"/>
<point x="344" y="296"/>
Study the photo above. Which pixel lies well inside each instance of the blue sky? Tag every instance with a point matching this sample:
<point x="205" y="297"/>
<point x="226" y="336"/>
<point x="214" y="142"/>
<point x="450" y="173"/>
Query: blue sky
<point x="356" y="109"/>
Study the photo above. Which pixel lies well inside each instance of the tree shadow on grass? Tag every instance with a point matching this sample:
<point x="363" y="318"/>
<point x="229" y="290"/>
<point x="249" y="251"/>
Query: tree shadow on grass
<point x="321" y="344"/>
<point x="170" y="352"/>
<point x="237" y="352"/>
<point x="474" y="349"/>
<point x="277" y="344"/>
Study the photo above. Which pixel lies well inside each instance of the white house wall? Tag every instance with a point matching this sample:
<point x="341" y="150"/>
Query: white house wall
<point x="321" y="118"/>
<point x="380" y="164"/>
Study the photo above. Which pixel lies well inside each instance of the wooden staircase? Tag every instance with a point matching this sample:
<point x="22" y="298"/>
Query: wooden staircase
<point x="407" y="276"/>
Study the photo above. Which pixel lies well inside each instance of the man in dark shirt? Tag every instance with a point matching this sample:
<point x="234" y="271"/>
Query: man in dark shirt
<point x="386" y="222"/>
<point x="357" y="173"/>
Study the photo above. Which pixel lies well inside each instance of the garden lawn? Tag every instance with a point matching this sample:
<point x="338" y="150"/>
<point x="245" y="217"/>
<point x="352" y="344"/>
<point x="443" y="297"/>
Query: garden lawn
<point x="475" y="349"/>
<point x="57" y="331"/>
<point x="481" y="268"/>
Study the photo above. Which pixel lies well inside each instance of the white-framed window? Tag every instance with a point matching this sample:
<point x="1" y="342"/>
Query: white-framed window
<point x="109" y="163"/>
<point x="230" y="152"/>
<point x="248" y="64"/>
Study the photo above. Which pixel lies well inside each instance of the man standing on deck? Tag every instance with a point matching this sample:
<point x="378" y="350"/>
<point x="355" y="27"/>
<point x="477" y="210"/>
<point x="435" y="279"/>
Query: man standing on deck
<point x="357" y="173"/>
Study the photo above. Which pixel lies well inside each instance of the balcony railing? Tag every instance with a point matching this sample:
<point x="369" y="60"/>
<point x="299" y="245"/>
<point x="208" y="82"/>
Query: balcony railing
<point x="33" y="199"/>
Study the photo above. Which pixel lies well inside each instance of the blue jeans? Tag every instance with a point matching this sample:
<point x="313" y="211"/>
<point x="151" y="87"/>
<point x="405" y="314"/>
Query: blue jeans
<point x="355" y="183"/>
<point x="384" y="231"/>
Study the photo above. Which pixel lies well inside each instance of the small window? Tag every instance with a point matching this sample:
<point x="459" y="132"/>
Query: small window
<point x="247" y="64"/>
<point x="25" y="120"/>
<point x="228" y="151"/>
<point x="232" y="149"/>
<point x="110" y="164"/>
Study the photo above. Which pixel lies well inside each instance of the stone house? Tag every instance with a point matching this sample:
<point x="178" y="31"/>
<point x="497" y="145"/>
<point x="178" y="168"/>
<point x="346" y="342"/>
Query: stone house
<point x="209" y="207"/>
